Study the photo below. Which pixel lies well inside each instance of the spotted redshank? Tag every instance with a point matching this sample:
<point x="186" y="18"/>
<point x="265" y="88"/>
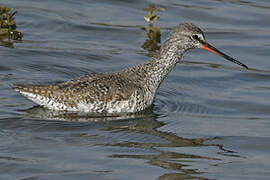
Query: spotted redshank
<point x="127" y="91"/>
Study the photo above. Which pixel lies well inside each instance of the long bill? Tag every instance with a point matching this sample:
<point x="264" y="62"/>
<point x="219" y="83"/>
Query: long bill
<point x="212" y="49"/>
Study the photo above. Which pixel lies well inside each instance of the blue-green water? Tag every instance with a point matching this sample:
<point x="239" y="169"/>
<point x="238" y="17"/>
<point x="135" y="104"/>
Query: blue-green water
<point x="211" y="118"/>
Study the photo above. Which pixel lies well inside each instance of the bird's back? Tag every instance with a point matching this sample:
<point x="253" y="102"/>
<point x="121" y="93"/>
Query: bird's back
<point x="98" y="93"/>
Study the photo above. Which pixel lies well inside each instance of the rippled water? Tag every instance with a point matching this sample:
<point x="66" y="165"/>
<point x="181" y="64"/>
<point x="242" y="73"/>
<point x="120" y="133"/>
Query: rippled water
<point x="211" y="118"/>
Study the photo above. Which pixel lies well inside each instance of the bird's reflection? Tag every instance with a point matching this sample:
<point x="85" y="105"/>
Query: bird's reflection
<point x="141" y="131"/>
<point x="38" y="112"/>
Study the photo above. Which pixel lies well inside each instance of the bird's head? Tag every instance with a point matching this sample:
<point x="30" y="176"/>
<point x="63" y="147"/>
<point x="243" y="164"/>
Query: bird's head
<point x="188" y="36"/>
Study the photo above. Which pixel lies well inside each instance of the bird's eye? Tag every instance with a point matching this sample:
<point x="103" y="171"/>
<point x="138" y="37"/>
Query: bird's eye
<point x="195" y="36"/>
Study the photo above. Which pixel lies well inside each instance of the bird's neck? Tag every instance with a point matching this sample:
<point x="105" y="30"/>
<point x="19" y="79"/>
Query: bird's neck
<point x="159" y="66"/>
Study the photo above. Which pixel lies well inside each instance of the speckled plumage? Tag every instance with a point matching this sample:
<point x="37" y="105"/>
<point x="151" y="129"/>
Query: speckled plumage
<point x="128" y="91"/>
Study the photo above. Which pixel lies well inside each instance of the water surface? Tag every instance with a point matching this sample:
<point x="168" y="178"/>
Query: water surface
<point x="211" y="118"/>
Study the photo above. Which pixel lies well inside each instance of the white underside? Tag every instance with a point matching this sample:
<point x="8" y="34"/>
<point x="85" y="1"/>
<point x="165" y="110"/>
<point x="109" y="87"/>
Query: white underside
<point x="47" y="102"/>
<point x="128" y="106"/>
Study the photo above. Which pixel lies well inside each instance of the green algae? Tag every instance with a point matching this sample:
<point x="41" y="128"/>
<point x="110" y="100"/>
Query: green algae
<point x="153" y="32"/>
<point x="8" y="25"/>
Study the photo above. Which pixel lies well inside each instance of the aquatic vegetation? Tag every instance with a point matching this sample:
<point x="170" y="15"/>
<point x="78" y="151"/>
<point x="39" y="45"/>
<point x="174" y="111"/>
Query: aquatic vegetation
<point x="8" y="25"/>
<point x="153" y="32"/>
<point x="152" y="17"/>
